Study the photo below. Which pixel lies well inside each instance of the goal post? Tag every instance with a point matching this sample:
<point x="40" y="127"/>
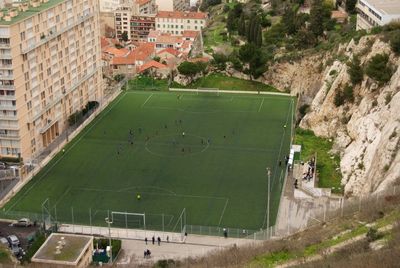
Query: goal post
<point x="129" y="219"/>
<point x="208" y="90"/>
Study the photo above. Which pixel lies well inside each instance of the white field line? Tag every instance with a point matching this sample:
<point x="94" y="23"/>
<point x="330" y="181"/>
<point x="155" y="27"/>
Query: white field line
<point x="148" y="98"/>
<point x="70" y="148"/>
<point x="230" y="91"/>
<point x="223" y="212"/>
<point x="261" y="104"/>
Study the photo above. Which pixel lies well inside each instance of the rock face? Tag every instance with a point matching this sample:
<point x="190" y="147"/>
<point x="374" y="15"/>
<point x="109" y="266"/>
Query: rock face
<point x="367" y="131"/>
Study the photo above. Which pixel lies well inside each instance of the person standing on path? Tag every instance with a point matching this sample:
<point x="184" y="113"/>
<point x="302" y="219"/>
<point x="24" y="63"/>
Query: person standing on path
<point x="153" y="239"/>
<point x="159" y="241"/>
<point x="145" y="240"/>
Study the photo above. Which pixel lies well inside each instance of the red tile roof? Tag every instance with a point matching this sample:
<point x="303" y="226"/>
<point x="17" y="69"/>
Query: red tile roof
<point x="190" y="34"/>
<point x="143" y="52"/>
<point x="116" y="52"/>
<point x="152" y="64"/>
<point x="181" y="15"/>
<point x="171" y="51"/>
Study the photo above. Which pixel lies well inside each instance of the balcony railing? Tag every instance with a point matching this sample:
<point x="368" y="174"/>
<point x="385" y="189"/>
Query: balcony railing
<point x="7" y="97"/>
<point x="8" y="117"/>
<point x="4" y="45"/>
<point x="9" y="136"/>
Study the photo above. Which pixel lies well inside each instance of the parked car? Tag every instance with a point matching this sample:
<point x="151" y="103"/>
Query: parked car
<point x="4" y="242"/>
<point x="24" y="222"/>
<point x="13" y="240"/>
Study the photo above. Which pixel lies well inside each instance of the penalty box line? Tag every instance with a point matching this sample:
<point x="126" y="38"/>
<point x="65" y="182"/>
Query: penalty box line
<point x="96" y="120"/>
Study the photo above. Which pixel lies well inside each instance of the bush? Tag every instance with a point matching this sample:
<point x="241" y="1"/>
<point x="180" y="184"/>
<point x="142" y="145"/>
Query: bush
<point x="373" y="235"/>
<point x="379" y="68"/>
<point x="344" y="96"/>
<point x="355" y="71"/>
<point x="119" y="77"/>
<point x="37" y="243"/>
<point x="395" y="42"/>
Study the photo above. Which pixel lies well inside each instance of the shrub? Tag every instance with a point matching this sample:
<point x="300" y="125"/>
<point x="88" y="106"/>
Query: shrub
<point x="333" y="72"/>
<point x="373" y="235"/>
<point x="303" y="110"/>
<point x="355" y="71"/>
<point x="119" y="77"/>
<point x="388" y="98"/>
<point x="379" y="68"/>
<point x="395" y="42"/>
<point x="344" y="96"/>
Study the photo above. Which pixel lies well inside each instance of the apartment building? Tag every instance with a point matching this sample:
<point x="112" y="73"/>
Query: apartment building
<point x="126" y="10"/>
<point x="49" y="68"/>
<point x="371" y="13"/>
<point x="109" y="5"/>
<point x="175" y="22"/>
<point x="140" y="27"/>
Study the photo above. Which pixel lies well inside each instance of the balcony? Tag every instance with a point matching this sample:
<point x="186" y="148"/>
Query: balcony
<point x="9" y="136"/>
<point x="5" y="56"/>
<point x="49" y="124"/>
<point x="8" y="117"/>
<point x="9" y="127"/>
<point x="7" y="97"/>
<point x="6" y="66"/>
<point x="9" y="87"/>
<point x="4" y="45"/>
<point x="9" y="107"/>
<point x="6" y="77"/>
<point x="57" y="33"/>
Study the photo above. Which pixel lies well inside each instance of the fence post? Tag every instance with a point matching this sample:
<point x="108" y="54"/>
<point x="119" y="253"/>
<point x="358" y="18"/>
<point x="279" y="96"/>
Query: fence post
<point x="73" y="224"/>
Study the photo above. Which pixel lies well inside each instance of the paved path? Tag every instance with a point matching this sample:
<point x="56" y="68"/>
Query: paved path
<point x="178" y="247"/>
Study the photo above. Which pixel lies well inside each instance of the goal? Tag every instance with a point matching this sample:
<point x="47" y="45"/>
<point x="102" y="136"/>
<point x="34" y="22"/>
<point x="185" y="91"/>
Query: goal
<point x="208" y="91"/>
<point x="128" y="220"/>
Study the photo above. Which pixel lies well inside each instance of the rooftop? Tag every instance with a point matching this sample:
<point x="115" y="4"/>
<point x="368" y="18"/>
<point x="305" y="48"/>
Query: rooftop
<point x="181" y="15"/>
<point x="29" y="12"/>
<point x="70" y="253"/>
<point x="387" y="7"/>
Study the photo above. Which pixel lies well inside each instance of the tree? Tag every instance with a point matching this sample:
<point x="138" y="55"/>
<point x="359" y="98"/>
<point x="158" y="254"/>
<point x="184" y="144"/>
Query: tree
<point x="355" y="71"/>
<point x="379" y="68"/>
<point x="395" y="42"/>
<point x="317" y="18"/>
<point x="124" y="36"/>
<point x="119" y="77"/>
<point x="304" y="39"/>
<point x="289" y="20"/>
<point x="191" y="69"/>
<point x="351" y="6"/>
<point x="258" y="37"/>
<point x="253" y="55"/>
<point x="220" y="61"/>
<point x="242" y="26"/>
<point x="231" y="22"/>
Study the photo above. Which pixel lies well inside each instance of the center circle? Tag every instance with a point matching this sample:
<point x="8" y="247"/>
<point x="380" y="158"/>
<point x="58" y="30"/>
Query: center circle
<point x="177" y="145"/>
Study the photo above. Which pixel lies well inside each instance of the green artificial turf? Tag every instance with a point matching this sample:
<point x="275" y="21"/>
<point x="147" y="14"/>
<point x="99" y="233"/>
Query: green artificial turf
<point x="217" y="172"/>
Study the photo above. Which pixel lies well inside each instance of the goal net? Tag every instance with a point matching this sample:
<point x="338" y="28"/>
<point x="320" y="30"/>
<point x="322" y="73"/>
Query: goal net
<point x="128" y="220"/>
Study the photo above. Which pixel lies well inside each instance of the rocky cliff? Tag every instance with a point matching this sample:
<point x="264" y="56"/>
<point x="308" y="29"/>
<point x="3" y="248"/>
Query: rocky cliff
<point x="367" y="131"/>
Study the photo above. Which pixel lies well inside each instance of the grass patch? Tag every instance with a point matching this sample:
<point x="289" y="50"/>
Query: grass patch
<point x="37" y="243"/>
<point x="329" y="176"/>
<point x="5" y="257"/>
<point x="147" y="83"/>
<point x="224" y="82"/>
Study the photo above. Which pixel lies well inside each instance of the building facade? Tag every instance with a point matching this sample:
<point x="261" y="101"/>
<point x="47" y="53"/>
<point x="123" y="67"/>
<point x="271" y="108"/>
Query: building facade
<point x="50" y="67"/>
<point x="140" y="27"/>
<point x="371" y="13"/>
<point x="176" y="22"/>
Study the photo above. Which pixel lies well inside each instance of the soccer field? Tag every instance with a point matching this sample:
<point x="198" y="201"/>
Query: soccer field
<point x="216" y="171"/>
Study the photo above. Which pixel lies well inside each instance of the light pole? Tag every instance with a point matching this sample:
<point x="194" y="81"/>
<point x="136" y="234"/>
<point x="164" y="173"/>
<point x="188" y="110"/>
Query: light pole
<point x="269" y="180"/>
<point x="109" y="236"/>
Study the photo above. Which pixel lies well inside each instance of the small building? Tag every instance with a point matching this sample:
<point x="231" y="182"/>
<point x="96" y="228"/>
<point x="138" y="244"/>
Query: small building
<point x="64" y="250"/>
<point x="339" y="16"/>
<point x="371" y="13"/>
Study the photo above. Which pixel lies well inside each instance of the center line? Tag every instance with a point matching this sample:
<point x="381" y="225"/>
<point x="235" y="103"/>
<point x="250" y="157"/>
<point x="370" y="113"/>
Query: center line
<point x="147" y="100"/>
<point x="259" y="109"/>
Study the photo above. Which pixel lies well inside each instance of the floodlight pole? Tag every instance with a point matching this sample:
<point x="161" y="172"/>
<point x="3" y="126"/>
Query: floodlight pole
<point x="269" y="182"/>
<point x="109" y="236"/>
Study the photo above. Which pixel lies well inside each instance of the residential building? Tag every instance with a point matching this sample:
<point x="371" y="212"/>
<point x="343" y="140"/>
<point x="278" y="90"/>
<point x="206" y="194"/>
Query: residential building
<point x="49" y="69"/>
<point x="130" y="62"/>
<point x="175" y="22"/>
<point x="129" y="9"/>
<point x="371" y="13"/>
<point x="188" y="42"/>
<point x="165" y="5"/>
<point x="140" y="27"/>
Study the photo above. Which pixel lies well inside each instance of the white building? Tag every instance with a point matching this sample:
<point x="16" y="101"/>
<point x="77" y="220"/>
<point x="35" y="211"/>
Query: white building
<point x="373" y="13"/>
<point x="173" y="5"/>
<point x="175" y="22"/>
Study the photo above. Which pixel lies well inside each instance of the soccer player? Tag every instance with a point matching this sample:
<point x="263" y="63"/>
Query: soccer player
<point x="183" y="134"/>
<point x="138" y="197"/>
